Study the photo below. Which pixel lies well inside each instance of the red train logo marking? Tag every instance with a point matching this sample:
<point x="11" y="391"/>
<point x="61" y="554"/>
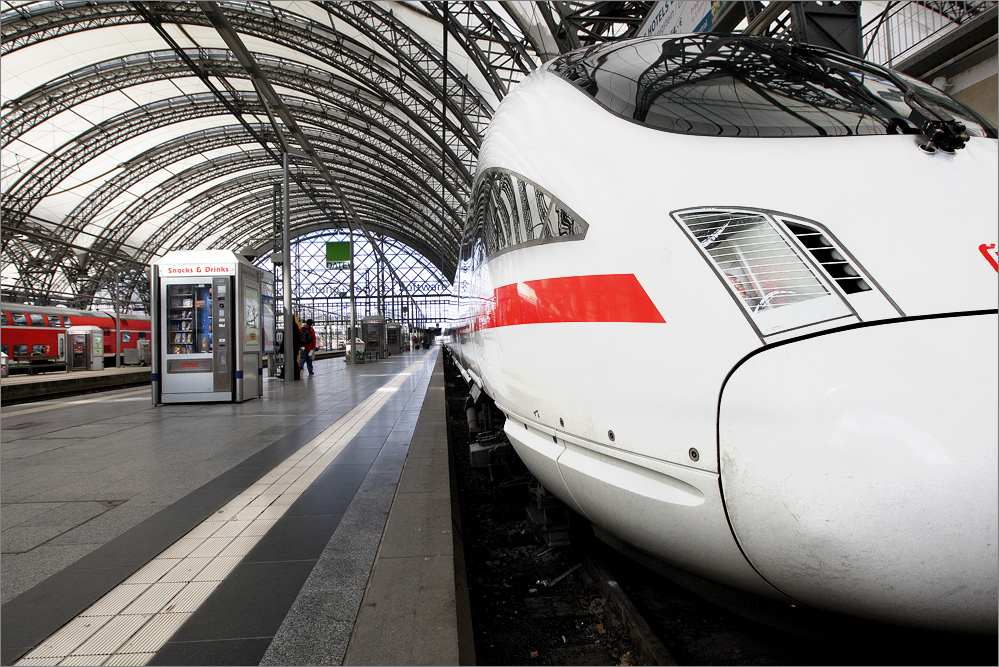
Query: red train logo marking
<point x="991" y="254"/>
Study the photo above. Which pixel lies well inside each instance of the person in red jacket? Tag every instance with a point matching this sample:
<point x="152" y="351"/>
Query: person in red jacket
<point x="308" y="338"/>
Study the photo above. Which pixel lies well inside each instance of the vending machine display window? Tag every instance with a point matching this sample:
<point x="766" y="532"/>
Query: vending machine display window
<point x="189" y="319"/>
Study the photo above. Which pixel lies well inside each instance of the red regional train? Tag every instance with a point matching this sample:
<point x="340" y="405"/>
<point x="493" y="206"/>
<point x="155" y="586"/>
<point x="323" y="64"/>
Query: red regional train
<point x="36" y="333"/>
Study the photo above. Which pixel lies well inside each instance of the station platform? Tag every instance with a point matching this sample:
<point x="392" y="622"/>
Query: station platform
<point x="313" y="526"/>
<point x="21" y="388"/>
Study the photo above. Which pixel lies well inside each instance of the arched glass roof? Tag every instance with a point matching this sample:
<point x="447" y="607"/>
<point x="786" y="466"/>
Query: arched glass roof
<point x="133" y="128"/>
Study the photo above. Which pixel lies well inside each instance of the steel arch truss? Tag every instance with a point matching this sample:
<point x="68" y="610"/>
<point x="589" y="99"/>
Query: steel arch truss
<point x="396" y="122"/>
<point x="324" y="294"/>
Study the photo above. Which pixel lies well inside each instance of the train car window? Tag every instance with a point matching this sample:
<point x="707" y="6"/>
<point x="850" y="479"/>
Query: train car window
<point x="65" y="318"/>
<point x="5" y="350"/>
<point x="724" y="85"/>
<point x="54" y="321"/>
<point x="37" y="350"/>
<point x="142" y="335"/>
<point x="126" y="337"/>
<point x="509" y="211"/>
<point x="37" y="320"/>
<point x="19" y="319"/>
<point x="21" y="350"/>
<point x="6" y="317"/>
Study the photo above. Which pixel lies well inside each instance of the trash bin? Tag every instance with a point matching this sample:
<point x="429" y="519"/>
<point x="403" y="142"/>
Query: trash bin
<point x="3" y="365"/>
<point x="357" y="350"/>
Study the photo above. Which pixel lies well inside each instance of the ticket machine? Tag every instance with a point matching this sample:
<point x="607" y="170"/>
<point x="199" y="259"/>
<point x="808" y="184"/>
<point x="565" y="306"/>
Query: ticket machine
<point x="207" y="327"/>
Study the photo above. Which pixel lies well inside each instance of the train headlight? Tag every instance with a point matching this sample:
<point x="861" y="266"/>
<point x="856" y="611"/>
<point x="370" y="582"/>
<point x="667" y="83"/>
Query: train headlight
<point x="772" y="274"/>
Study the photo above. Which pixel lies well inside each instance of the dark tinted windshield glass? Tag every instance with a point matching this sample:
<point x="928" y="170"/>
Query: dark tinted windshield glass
<point x="753" y="87"/>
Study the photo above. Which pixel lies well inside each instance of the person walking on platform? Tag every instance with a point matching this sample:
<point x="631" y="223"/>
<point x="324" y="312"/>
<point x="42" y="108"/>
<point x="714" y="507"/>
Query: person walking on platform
<point x="307" y="338"/>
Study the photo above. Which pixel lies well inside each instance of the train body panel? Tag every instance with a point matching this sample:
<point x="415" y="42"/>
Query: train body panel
<point x="658" y="507"/>
<point x="612" y="276"/>
<point x="878" y="457"/>
<point x="32" y="332"/>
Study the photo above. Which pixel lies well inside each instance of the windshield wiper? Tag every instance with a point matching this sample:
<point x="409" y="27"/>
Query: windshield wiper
<point x="937" y="125"/>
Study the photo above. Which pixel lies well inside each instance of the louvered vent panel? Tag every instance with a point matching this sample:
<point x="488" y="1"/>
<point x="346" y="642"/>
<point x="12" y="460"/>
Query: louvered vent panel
<point x="759" y="265"/>
<point x="829" y="257"/>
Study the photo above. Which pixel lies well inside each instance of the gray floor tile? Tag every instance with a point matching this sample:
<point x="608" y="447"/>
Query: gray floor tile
<point x="13" y="514"/>
<point x="19" y="572"/>
<point x="107" y="526"/>
<point x="25" y="538"/>
<point x="70" y="514"/>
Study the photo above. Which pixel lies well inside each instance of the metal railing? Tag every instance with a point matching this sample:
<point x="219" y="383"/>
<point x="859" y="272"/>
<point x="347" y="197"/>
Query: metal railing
<point x="905" y="27"/>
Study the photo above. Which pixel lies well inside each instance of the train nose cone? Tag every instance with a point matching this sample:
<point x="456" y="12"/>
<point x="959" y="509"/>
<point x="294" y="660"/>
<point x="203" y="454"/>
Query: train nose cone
<point x="859" y="470"/>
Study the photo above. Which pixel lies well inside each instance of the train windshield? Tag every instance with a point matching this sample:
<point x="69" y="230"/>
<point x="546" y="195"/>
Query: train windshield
<point x="717" y="85"/>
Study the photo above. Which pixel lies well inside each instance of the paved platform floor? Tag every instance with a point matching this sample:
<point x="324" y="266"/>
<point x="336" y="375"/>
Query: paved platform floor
<point x="258" y="533"/>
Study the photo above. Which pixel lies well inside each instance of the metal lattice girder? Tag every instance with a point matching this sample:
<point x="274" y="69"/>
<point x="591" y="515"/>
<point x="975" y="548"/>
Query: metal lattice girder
<point x="499" y="55"/>
<point x="254" y="228"/>
<point x="392" y="114"/>
<point x="85" y="84"/>
<point x="345" y="104"/>
<point x="384" y="212"/>
<point x="101" y="78"/>
<point x="958" y="12"/>
<point x="397" y="206"/>
<point x="422" y="60"/>
<point x="142" y="166"/>
<point x="578" y="24"/>
<point x="248" y="221"/>
<point x="40" y="21"/>
<point x="385" y="164"/>
<point x="49" y="265"/>
<point x="165" y="112"/>
<point x="420" y="274"/>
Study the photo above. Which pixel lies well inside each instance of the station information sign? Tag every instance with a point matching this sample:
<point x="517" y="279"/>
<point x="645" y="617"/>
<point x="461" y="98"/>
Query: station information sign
<point x="337" y="255"/>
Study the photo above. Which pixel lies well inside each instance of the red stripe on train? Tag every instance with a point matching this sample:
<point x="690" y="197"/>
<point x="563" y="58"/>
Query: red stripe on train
<point x="607" y="298"/>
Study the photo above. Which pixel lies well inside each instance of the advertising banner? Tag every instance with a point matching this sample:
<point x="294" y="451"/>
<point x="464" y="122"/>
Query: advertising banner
<point x="680" y="16"/>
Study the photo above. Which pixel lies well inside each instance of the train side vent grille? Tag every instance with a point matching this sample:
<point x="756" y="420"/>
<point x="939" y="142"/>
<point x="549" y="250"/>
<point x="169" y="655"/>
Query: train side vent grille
<point x="829" y="257"/>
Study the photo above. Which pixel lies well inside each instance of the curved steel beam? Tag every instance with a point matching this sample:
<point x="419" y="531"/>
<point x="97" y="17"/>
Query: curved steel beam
<point x="46" y="20"/>
<point x="32" y="187"/>
<point x="380" y="167"/>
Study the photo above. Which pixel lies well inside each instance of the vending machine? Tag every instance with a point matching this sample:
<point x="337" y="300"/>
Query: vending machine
<point x="393" y="338"/>
<point x="207" y="327"/>
<point x="86" y="348"/>
<point x="374" y="335"/>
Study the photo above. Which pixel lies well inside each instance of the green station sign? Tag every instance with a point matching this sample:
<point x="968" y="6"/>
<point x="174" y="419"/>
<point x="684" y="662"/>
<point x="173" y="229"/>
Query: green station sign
<point x="337" y="255"/>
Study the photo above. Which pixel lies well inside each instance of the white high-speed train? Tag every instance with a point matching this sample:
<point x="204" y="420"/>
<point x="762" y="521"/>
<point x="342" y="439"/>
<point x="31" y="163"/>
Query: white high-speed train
<point x="737" y="300"/>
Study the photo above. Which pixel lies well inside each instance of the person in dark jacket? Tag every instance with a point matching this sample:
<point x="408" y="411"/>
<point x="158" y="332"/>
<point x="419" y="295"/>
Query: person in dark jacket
<point x="307" y="347"/>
